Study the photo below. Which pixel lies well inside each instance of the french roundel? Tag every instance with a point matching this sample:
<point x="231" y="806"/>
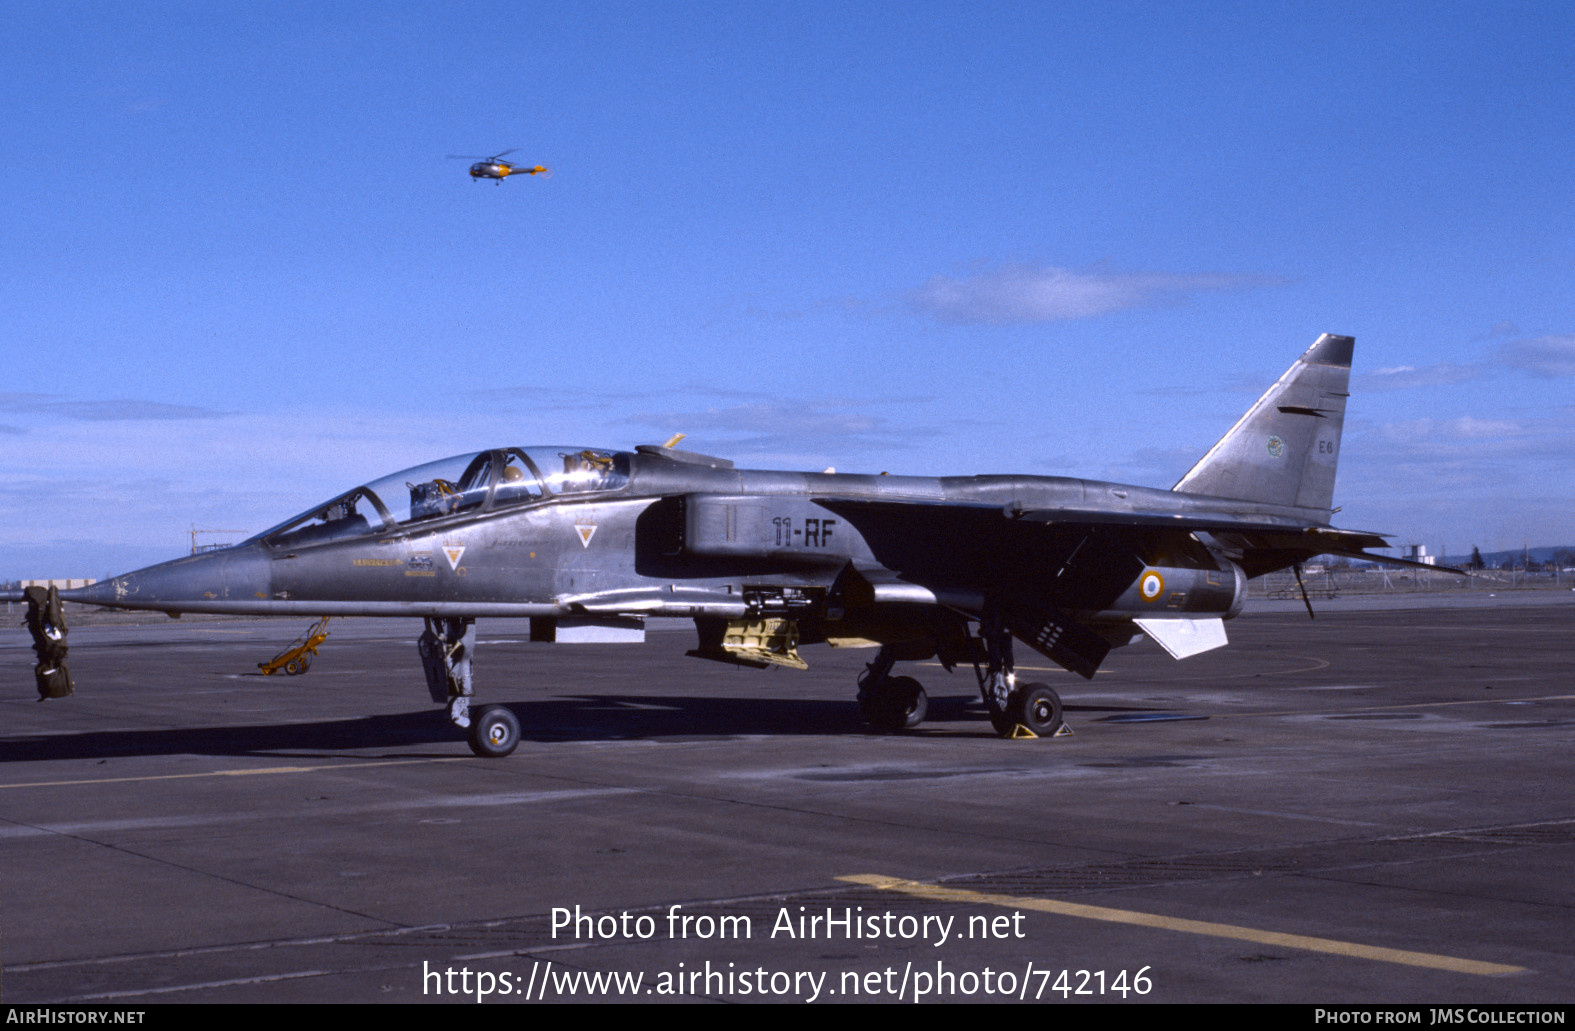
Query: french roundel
<point x="1151" y="586"/>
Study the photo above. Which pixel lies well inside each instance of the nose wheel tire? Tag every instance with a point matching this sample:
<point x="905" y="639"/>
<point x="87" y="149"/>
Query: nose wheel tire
<point x="495" y="733"/>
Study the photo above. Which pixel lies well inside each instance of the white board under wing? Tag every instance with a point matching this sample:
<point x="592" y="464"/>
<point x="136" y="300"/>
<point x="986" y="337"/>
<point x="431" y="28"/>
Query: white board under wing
<point x="1184" y="637"/>
<point x="588" y="629"/>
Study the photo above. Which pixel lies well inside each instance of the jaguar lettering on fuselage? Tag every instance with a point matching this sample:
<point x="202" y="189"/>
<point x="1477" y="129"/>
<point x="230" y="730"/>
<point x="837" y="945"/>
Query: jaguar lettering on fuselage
<point x="590" y="542"/>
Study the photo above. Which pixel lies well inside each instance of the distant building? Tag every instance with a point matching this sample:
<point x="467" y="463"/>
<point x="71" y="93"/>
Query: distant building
<point x="63" y="585"/>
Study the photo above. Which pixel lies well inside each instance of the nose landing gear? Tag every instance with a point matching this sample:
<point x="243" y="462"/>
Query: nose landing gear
<point x="46" y="621"/>
<point x="494" y="733"/>
<point x="445" y="647"/>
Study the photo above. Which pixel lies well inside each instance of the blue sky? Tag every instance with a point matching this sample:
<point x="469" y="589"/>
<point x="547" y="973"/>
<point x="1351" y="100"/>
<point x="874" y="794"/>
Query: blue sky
<point x="240" y="275"/>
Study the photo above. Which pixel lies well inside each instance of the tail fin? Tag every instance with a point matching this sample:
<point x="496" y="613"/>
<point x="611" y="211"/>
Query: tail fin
<point x="1283" y="451"/>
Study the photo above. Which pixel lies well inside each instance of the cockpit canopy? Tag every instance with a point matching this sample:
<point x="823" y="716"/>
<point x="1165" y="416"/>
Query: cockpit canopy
<point x="473" y="483"/>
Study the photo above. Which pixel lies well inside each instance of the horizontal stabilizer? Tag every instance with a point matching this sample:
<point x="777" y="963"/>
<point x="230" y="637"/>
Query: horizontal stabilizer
<point x="1324" y="540"/>
<point x="1385" y="560"/>
<point x="1185" y="637"/>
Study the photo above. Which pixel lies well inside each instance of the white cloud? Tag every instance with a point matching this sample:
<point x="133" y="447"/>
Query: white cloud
<point x="1552" y="356"/>
<point x="110" y="410"/>
<point x="1403" y="377"/>
<point x="1022" y="294"/>
<point x="1463" y="428"/>
<point x="1494" y="482"/>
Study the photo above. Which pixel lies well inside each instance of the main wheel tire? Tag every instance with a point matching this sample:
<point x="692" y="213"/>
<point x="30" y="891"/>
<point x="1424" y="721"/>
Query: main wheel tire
<point x="899" y="703"/>
<point x="494" y="732"/>
<point x="294" y="667"/>
<point x="1038" y="707"/>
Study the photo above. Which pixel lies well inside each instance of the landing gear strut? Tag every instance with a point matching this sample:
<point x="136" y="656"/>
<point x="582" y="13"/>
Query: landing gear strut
<point x="890" y="704"/>
<point x="46" y="621"/>
<point x="445" y="648"/>
<point x="996" y="680"/>
<point x="1035" y="708"/>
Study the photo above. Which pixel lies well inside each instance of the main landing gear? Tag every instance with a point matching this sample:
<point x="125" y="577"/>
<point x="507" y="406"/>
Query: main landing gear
<point x="891" y="704"/>
<point x="1014" y="708"/>
<point x="445" y="647"/>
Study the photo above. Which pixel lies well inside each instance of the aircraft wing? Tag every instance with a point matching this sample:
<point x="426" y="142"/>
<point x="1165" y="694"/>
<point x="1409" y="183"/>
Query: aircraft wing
<point x="1287" y="533"/>
<point x="1267" y="542"/>
<point x="1252" y="533"/>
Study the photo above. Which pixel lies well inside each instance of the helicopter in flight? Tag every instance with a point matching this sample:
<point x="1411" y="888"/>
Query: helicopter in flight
<point x="494" y="167"/>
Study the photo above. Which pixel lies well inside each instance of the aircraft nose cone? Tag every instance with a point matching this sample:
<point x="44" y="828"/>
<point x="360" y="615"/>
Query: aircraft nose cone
<point x="217" y="581"/>
<point x="93" y="594"/>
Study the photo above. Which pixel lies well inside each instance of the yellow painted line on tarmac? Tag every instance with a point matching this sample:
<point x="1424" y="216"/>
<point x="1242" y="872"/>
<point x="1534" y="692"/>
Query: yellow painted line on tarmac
<point x="936" y="892"/>
<point x="261" y="771"/>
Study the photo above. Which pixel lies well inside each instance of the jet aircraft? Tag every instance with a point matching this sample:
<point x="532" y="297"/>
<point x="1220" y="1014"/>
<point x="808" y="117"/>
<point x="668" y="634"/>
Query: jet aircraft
<point x="590" y="542"/>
